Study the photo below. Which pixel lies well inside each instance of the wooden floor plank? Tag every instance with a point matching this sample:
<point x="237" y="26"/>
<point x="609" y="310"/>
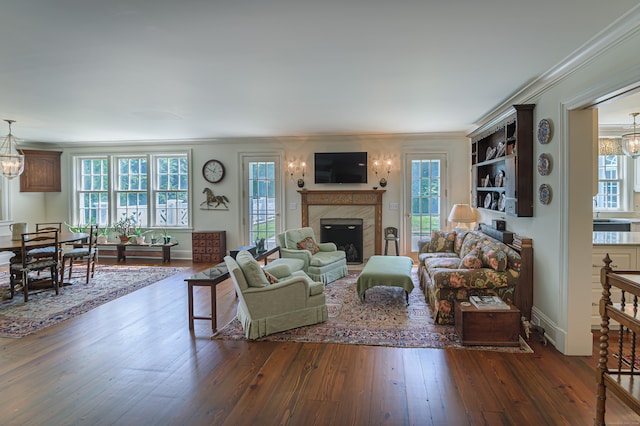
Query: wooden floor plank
<point x="134" y="361"/>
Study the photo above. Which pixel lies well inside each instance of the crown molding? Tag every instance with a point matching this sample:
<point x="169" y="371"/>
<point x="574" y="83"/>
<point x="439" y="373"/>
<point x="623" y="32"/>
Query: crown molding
<point x="625" y="27"/>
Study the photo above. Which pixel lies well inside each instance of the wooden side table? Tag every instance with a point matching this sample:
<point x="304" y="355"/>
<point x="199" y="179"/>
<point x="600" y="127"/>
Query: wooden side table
<point x="209" y="277"/>
<point x="212" y="277"/>
<point x="487" y="327"/>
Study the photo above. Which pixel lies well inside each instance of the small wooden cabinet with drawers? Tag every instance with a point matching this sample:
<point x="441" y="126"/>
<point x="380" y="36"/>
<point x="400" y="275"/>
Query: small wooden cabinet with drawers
<point x="209" y="246"/>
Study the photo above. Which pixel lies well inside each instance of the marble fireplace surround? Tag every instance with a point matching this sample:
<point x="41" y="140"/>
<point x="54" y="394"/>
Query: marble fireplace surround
<point x="340" y="204"/>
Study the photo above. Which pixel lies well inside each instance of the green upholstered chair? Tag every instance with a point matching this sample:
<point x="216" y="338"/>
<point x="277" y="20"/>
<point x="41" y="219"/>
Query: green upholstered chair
<point x="327" y="264"/>
<point x="265" y="307"/>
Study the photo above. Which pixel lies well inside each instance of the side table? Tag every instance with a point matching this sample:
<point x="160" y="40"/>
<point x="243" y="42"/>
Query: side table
<point x="209" y="277"/>
<point x="487" y="327"/>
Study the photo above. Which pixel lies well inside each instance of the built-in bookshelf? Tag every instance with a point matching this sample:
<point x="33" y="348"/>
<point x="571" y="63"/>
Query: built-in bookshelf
<point x="502" y="164"/>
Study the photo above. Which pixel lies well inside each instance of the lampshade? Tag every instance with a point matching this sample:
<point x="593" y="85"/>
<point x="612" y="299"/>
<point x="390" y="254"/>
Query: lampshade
<point x="11" y="162"/>
<point x="631" y="141"/>
<point x="462" y="213"/>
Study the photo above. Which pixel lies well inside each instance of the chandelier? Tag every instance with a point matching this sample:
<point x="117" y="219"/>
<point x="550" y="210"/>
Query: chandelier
<point x="11" y="162"/>
<point x="631" y="141"/>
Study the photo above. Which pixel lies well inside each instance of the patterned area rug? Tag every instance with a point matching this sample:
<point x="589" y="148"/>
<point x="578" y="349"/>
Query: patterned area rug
<point x="44" y="308"/>
<point x="383" y="319"/>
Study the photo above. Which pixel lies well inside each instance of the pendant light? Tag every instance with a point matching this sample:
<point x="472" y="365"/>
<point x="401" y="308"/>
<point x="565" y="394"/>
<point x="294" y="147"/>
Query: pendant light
<point x="631" y="141"/>
<point x="11" y="162"/>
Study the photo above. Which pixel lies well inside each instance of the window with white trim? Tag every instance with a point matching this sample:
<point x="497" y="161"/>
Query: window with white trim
<point x="611" y="173"/>
<point x="153" y="188"/>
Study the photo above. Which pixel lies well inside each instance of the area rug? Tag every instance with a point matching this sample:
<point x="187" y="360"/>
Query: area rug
<point x="44" y="308"/>
<point x="383" y="319"/>
<point x="626" y="360"/>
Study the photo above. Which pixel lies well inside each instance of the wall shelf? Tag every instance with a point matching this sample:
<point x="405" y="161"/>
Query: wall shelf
<point x="503" y="154"/>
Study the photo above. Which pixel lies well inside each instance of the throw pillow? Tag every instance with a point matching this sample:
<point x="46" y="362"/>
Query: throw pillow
<point x="494" y="259"/>
<point x="308" y="244"/>
<point x="460" y="235"/>
<point x="471" y="261"/>
<point x="442" y="241"/>
<point x="270" y="278"/>
<point x="251" y="270"/>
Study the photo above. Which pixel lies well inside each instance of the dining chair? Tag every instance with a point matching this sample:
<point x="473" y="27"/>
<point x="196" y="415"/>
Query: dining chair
<point x="47" y="247"/>
<point x="87" y="253"/>
<point x="49" y="226"/>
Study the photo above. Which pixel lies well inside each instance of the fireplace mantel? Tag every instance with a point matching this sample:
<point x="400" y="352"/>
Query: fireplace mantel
<point x="347" y="198"/>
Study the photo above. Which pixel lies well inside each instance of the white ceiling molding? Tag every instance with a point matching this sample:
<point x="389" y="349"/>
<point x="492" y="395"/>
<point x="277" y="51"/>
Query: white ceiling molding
<point x="619" y="31"/>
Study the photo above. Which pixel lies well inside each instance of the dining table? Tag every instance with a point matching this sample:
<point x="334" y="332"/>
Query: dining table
<point x="9" y="244"/>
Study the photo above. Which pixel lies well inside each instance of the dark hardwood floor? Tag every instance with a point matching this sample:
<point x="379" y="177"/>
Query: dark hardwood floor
<point x="133" y="361"/>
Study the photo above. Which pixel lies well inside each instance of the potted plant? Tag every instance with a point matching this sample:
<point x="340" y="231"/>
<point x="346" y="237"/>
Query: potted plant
<point x="77" y="229"/>
<point x="138" y="234"/>
<point x="166" y="238"/>
<point x="103" y="234"/>
<point x="124" y="228"/>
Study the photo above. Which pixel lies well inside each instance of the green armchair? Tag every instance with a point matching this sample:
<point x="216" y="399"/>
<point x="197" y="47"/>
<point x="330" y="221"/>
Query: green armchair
<point x="265" y="307"/>
<point x="322" y="261"/>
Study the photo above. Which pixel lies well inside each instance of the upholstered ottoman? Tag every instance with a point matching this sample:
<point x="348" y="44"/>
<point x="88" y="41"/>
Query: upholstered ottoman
<point x="388" y="271"/>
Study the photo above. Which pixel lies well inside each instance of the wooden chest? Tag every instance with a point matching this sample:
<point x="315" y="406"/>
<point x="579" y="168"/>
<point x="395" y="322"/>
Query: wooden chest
<point x="208" y="246"/>
<point x="487" y="327"/>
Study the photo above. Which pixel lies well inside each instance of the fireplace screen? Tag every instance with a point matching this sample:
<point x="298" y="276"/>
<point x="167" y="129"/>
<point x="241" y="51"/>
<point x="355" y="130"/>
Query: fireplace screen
<point x="346" y="234"/>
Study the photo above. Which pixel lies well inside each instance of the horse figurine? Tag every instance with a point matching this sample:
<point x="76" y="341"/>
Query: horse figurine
<point x="217" y="199"/>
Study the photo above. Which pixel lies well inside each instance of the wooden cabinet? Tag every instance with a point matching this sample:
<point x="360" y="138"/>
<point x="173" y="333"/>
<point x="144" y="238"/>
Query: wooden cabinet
<point x="492" y="327"/>
<point x="41" y="171"/>
<point x="209" y="246"/>
<point x="623" y="258"/>
<point x="502" y="164"/>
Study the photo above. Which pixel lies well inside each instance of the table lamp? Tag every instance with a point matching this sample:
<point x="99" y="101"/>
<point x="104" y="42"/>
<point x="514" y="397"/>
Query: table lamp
<point x="462" y="214"/>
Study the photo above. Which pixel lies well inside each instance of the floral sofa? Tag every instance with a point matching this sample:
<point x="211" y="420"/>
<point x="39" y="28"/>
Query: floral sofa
<point x="461" y="263"/>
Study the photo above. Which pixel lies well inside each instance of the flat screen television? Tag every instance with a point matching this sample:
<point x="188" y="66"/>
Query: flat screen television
<point x="340" y="167"/>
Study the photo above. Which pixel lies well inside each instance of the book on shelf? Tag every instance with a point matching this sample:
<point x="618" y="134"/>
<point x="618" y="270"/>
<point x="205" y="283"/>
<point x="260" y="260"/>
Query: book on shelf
<point x="488" y="302"/>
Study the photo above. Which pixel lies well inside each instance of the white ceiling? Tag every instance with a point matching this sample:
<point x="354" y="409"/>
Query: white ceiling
<point x="82" y="70"/>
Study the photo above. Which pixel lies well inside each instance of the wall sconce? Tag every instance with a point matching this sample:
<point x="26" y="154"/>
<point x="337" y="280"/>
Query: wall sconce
<point x="292" y="169"/>
<point x="376" y="169"/>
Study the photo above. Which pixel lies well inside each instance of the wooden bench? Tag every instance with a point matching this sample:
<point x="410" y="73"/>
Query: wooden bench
<point x="141" y="250"/>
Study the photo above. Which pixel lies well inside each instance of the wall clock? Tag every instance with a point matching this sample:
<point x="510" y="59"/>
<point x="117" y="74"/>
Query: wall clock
<point x="213" y="171"/>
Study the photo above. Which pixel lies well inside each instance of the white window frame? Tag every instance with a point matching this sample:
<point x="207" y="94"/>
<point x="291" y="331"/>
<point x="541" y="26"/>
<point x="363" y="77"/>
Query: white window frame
<point x="149" y="221"/>
<point x="277" y="159"/>
<point x="410" y="242"/>
<point x="622" y="180"/>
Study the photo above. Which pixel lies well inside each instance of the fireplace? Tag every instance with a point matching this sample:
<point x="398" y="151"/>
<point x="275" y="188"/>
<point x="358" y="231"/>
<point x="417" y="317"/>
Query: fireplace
<point x="365" y="204"/>
<point x="346" y="234"/>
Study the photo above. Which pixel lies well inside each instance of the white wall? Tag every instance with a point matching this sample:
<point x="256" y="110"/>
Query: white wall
<point x="561" y="231"/>
<point x="229" y="151"/>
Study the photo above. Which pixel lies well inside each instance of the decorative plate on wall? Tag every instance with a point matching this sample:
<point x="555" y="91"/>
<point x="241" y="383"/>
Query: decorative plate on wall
<point x="544" y="193"/>
<point x="544" y="164"/>
<point x="544" y="131"/>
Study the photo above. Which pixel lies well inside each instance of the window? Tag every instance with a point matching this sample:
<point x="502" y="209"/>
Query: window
<point x="426" y="182"/>
<point x="261" y="202"/>
<point x="152" y="188"/>
<point x="610" y="183"/>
